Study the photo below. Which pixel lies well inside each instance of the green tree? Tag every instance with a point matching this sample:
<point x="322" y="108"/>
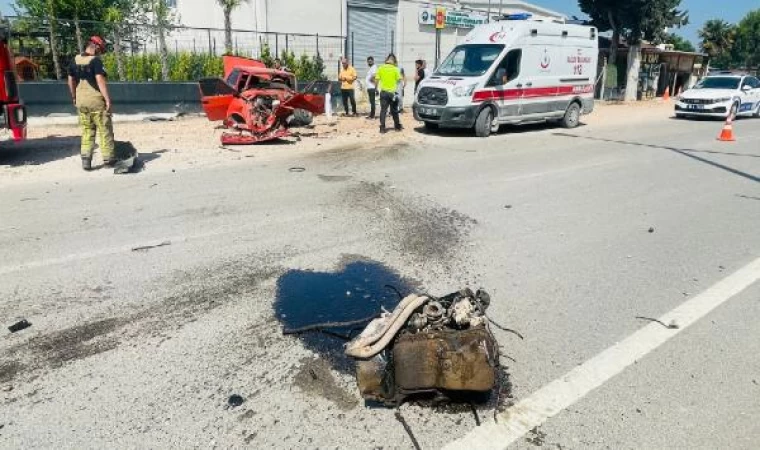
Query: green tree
<point x="266" y="55"/>
<point x="606" y="15"/>
<point x="718" y="37"/>
<point x="116" y="16"/>
<point x="680" y="44"/>
<point x="49" y="11"/>
<point x="228" y="7"/>
<point x="637" y="20"/>
<point x="162" y="20"/>
<point x="748" y="40"/>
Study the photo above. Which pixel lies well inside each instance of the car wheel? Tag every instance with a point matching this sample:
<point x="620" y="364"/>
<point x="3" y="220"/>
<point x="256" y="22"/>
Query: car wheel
<point x="757" y="111"/>
<point x="484" y="123"/>
<point x="431" y="126"/>
<point x="572" y="116"/>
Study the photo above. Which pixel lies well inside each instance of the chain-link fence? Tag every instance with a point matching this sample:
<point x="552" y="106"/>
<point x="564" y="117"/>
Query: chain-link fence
<point x="197" y="50"/>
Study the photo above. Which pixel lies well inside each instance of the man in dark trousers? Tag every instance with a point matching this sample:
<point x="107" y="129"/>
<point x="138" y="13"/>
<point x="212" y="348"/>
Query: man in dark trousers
<point x="420" y="75"/>
<point x="371" y="86"/>
<point x="388" y="78"/>
<point x="89" y="91"/>
<point x="347" y="79"/>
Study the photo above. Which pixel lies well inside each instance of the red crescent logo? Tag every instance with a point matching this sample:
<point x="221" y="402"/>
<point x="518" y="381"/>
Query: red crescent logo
<point x="497" y="36"/>
<point x="546" y="61"/>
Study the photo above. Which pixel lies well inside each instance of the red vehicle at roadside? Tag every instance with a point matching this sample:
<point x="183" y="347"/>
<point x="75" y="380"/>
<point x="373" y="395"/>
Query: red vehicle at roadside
<point x="12" y="111"/>
<point x="255" y="103"/>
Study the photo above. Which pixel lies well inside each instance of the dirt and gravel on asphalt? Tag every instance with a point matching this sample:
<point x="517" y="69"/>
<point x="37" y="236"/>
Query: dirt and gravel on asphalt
<point x="194" y="142"/>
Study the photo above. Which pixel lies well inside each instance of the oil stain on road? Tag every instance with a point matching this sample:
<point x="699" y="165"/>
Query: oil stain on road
<point x="358" y="289"/>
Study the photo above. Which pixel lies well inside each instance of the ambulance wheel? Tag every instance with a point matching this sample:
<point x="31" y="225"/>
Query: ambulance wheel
<point x="572" y="116"/>
<point x="484" y="123"/>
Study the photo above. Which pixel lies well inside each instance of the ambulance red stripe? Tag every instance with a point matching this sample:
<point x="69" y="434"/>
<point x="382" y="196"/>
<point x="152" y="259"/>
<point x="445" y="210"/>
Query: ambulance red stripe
<point x="542" y="92"/>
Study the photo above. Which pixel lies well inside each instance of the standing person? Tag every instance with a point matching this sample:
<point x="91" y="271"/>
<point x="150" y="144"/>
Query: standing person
<point x="420" y="75"/>
<point x="400" y="91"/>
<point x="388" y="77"/>
<point x="371" y="86"/>
<point x="347" y="79"/>
<point x="89" y="91"/>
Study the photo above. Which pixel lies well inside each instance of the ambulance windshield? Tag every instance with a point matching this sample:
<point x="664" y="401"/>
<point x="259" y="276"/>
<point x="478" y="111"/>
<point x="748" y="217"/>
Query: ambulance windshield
<point x="470" y="60"/>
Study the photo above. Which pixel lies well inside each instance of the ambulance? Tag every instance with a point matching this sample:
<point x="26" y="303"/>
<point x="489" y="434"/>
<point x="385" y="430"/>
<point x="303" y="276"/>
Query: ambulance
<point x="517" y="70"/>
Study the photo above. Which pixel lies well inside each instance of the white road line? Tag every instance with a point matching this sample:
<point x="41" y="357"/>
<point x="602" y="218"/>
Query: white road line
<point x="558" y="395"/>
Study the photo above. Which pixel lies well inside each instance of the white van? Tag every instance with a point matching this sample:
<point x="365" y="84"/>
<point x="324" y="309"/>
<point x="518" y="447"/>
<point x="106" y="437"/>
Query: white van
<point x="514" y="71"/>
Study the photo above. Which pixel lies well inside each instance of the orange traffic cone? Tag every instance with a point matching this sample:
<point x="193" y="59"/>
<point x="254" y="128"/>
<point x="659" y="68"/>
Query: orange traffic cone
<point x="727" y="135"/>
<point x="666" y="96"/>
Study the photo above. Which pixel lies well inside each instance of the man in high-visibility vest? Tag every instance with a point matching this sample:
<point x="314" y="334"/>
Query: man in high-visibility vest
<point x="89" y="91"/>
<point x="388" y="78"/>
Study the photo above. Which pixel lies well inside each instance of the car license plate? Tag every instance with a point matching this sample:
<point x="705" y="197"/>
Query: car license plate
<point x="696" y="107"/>
<point x="431" y="112"/>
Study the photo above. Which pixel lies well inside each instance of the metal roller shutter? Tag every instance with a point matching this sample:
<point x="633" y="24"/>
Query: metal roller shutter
<point x="371" y="31"/>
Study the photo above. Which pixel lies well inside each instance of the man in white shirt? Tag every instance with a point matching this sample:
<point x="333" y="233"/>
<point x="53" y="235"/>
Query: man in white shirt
<point x="371" y="86"/>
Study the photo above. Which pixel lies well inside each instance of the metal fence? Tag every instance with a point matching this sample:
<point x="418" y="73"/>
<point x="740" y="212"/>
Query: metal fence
<point x="31" y="38"/>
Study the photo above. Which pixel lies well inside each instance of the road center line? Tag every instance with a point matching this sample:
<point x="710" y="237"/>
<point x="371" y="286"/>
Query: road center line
<point x="560" y="394"/>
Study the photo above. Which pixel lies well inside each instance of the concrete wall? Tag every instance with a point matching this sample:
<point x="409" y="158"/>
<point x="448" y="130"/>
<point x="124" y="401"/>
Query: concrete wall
<point x="52" y="98"/>
<point x="46" y="98"/>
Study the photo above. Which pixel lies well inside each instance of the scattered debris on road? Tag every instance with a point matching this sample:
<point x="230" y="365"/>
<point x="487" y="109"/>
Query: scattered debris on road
<point x="672" y="326"/>
<point x="651" y="230"/>
<point x="145" y="248"/>
<point x="235" y="400"/>
<point x="19" y="326"/>
<point x="297" y="169"/>
<point x="426" y="346"/>
<point x="408" y="430"/>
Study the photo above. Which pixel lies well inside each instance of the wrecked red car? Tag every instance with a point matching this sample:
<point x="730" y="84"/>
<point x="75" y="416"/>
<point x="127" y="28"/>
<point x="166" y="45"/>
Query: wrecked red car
<point x="257" y="104"/>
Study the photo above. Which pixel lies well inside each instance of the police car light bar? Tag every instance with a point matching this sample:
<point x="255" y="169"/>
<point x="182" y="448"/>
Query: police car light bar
<point x="519" y="16"/>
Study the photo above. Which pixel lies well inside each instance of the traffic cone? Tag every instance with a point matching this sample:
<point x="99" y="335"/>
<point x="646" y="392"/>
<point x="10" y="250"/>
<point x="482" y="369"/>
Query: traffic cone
<point x="666" y="96"/>
<point x="727" y="135"/>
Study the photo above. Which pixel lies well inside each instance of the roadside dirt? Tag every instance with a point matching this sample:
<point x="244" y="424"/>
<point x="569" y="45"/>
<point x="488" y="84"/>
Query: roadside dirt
<point x="189" y="143"/>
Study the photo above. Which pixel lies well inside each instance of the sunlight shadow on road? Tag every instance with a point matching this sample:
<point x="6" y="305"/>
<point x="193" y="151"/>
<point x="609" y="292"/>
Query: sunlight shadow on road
<point x="681" y="151"/>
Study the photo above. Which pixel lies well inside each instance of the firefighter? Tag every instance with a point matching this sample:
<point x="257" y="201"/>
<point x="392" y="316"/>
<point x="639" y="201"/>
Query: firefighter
<point x="388" y="78"/>
<point x="89" y="91"/>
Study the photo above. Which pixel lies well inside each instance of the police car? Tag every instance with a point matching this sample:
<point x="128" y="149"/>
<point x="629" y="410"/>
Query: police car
<point x="721" y="95"/>
<point x="518" y="70"/>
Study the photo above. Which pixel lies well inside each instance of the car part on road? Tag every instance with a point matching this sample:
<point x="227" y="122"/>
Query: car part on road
<point x="145" y="248"/>
<point x="408" y="430"/>
<point x="235" y="400"/>
<point x="427" y="346"/>
<point x="19" y="326"/>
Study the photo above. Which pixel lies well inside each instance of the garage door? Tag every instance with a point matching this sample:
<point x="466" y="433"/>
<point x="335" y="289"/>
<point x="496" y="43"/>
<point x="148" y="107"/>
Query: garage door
<point x="371" y="31"/>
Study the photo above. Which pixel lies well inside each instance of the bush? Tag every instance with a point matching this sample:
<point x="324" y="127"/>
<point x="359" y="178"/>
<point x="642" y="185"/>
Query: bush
<point x="188" y="66"/>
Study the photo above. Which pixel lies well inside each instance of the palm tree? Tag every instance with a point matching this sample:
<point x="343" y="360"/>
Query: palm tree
<point x="228" y="6"/>
<point x="718" y="37"/>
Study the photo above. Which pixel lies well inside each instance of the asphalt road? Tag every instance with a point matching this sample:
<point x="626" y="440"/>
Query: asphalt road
<point x="574" y="233"/>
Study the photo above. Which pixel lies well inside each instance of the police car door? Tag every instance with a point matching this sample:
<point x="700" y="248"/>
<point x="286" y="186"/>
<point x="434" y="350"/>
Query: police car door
<point x="507" y="85"/>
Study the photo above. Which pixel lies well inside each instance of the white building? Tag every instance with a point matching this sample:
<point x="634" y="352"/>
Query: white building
<point x="371" y="27"/>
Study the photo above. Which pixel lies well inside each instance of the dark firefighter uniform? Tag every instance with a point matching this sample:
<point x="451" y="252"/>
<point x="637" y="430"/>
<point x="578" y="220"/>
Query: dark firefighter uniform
<point x="94" y="117"/>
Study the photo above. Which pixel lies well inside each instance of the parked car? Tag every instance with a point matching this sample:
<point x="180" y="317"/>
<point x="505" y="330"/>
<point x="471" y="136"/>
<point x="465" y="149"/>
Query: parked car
<point x="721" y="95"/>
